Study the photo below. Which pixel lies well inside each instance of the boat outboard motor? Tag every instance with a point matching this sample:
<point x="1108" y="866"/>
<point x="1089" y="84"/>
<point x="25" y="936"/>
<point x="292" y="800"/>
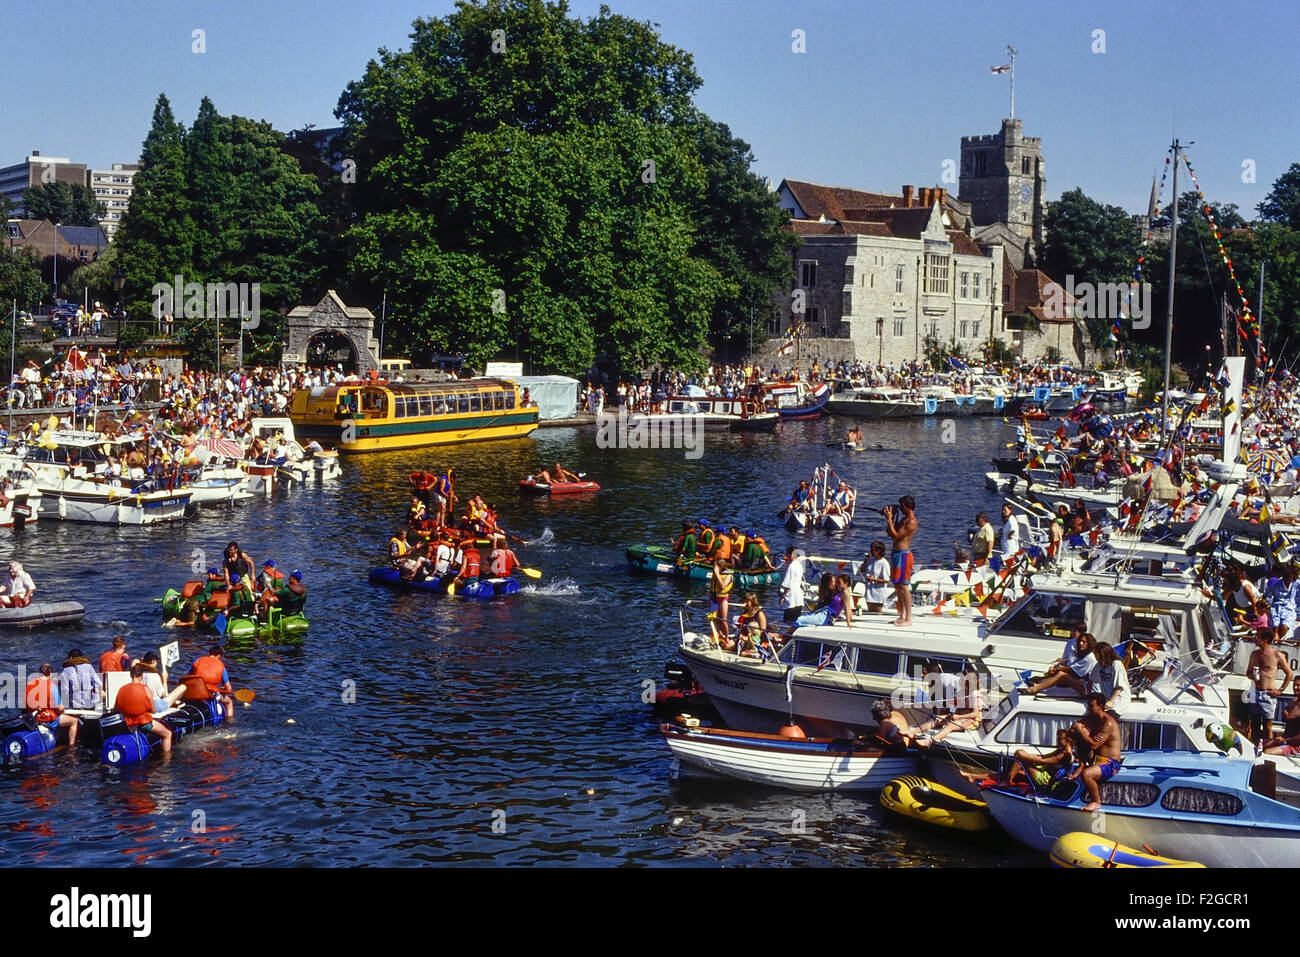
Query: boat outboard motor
<point x="679" y="672"/>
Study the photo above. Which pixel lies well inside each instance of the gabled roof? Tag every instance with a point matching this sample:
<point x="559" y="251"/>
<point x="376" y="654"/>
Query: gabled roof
<point x="834" y="201"/>
<point x="83" y="236"/>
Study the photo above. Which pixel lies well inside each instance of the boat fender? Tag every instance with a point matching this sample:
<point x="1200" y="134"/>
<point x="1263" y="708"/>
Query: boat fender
<point x="792" y="731"/>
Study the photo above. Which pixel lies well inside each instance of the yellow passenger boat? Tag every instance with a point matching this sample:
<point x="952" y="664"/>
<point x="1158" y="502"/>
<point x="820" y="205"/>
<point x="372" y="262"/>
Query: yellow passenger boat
<point x="378" y="416"/>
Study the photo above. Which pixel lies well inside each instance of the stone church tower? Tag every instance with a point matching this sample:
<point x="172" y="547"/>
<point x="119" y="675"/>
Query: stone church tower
<point x="1003" y="180"/>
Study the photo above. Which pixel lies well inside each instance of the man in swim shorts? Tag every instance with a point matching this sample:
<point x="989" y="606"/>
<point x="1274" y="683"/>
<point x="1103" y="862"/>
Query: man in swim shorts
<point x="1099" y="732"/>
<point x="900" y="523"/>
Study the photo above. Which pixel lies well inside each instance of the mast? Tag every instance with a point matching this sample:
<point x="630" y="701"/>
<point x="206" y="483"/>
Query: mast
<point x="1169" y="311"/>
<point x="1012" y="52"/>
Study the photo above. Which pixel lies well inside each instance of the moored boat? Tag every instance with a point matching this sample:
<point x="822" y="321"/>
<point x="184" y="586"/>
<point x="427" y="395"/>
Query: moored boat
<point x="797" y="400"/>
<point x="1217" y="809"/>
<point x="928" y="802"/>
<point x="1080" y="850"/>
<point x="777" y="761"/>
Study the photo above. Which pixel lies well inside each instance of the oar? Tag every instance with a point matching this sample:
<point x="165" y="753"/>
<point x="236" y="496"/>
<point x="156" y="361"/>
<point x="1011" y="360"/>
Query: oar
<point x="244" y="695"/>
<point x="531" y="572"/>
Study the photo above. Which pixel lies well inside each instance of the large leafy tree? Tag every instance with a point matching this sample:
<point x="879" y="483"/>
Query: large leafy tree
<point x="542" y="191"/>
<point x="221" y="203"/>
<point x="1090" y="242"/>
<point x="71" y="204"/>
<point x="20" y="278"/>
<point x="1282" y="204"/>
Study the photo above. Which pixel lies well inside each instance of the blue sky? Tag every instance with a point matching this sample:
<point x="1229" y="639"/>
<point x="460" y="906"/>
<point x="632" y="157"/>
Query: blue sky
<point x="882" y="96"/>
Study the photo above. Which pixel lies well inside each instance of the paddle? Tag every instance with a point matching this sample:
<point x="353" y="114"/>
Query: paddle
<point x="531" y="572"/>
<point x="244" y="695"/>
<point x="219" y="623"/>
<point x="451" y="588"/>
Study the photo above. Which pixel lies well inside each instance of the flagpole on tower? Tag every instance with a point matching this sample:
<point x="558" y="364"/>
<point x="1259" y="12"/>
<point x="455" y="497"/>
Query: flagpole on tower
<point x="1011" y="51"/>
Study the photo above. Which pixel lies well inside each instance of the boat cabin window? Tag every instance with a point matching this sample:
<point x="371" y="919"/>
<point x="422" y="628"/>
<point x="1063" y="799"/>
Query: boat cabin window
<point x="1044" y="615"/>
<point x="807" y="652"/>
<point x="374" y="402"/>
<point x="915" y="667"/>
<point x="440" y="406"/>
<point x="1201" y="801"/>
<point x="462" y="402"/>
<point x="498" y="401"/>
<point x="873" y="661"/>
<point x="510" y="399"/>
<point x="1128" y="794"/>
<point x="426" y="405"/>
<point x="1146" y="735"/>
<point x="475" y="402"/>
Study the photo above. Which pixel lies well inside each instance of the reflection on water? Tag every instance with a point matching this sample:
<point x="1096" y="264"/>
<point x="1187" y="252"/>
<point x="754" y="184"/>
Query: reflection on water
<point x="496" y="732"/>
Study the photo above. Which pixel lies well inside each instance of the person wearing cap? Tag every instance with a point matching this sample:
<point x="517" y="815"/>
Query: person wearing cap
<point x="289" y="594"/>
<point x="705" y="538"/>
<point x="270" y="580"/>
<point x="841" y="501"/>
<point x="215" y="681"/>
<point x="757" y="556"/>
<point x="155" y="679"/>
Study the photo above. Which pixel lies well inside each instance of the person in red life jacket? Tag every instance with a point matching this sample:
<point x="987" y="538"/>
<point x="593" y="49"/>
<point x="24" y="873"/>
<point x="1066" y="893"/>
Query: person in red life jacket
<point x="471" y="562"/>
<point x="135" y="703"/>
<point x="216" y="681"/>
<point x="491" y="528"/>
<point x="41" y="698"/>
<point x="503" y="562"/>
<point x="269" y="582"/>
<point x="117" y="659"/>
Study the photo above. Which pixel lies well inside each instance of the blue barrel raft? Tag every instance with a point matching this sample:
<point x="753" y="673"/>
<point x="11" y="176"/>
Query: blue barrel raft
<point x="24" y="744"/>
<point x="479" y="588"/>
<point x="134" y="746"/>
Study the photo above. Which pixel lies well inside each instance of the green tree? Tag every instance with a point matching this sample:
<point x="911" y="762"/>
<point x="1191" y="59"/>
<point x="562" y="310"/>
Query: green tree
<point x="1282" y="204"/>
<point x="547" y="198"/>
<point x="1092" y="243"/>
<point x="71" y="204"/>
<point x="157" y="236"/>
<point x="20" y="279"/>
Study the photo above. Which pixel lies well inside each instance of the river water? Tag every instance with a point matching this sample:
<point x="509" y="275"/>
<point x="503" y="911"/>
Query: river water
<point x="408" y="729"/>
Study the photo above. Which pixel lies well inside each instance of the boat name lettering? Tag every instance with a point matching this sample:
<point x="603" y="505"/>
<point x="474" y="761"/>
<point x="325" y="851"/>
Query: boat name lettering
<point x="738" y="685"/>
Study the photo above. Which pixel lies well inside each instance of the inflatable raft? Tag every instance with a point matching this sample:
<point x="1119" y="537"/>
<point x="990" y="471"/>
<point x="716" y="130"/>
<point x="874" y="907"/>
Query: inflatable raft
<point x="42" y="613"/>
<point x="654" y="560"/>
<point x="926" y="802"/>
<point x="276" y="625"/>
<point x="482" y="588"/>
<point x="1080" y="850"/>
<point x="121" y="746"/>
<point x="556" y="488"/>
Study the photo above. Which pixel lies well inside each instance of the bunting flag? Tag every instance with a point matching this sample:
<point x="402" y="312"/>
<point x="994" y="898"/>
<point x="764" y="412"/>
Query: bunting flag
<point x="962" y="599"/>
<point x="1280" y="546"/>
<point x="1263" y="513"/>
<point x="1246" y="319"/>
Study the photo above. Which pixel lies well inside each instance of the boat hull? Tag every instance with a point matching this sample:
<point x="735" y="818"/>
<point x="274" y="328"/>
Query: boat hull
<point x="481" y="588"/>
<point x="774" y="761"/>
<point x="660" y="561"/>
<point x="42" y="613"/>
<point x="556" y="488"/>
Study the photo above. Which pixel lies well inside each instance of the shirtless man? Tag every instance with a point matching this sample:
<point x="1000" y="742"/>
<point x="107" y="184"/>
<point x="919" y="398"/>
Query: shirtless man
<point x="902" y="531"/>
<point x="561" y="474"/>
<point x="1262" y="669"/>
<point x="1099" y="732"/>
<point x="855" y="436"/>
<point x="894" y="729"/>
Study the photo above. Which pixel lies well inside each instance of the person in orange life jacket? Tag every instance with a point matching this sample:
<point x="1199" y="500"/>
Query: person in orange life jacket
<point x="756" y="556"/>
<point x="117" y="659"/>
<point x="471" y="562"/>
<point x="41" y="697"/>
<point x="216" y="680"/>
<point x="497" y="537"/>
<point x="737" y="541"/>
<point x="135" y="703"/>
<point x="503" y="562"/>
<point x="704" y="539"/>
<point x="721" y="551"/>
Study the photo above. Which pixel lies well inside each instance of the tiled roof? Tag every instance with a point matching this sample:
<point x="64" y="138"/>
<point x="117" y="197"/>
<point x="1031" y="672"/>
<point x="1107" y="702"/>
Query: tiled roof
<point x="834" y="201"/>
<point x="82" y="236"/>
<point x="963" y="245"/>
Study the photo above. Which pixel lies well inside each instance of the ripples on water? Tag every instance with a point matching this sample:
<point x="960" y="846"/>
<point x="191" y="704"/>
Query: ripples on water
<point x="525" y="714"/>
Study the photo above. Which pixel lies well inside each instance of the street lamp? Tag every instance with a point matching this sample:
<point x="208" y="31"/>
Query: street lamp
<point x="119" y="282"/>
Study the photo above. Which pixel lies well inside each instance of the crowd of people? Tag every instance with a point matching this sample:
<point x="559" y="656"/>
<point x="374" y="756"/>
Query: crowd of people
<point x="80" y="686"/>
<point x="436" y="545"/>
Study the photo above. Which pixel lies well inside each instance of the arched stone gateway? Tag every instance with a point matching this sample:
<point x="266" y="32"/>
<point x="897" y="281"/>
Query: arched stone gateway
<point x="333" y="318"/>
